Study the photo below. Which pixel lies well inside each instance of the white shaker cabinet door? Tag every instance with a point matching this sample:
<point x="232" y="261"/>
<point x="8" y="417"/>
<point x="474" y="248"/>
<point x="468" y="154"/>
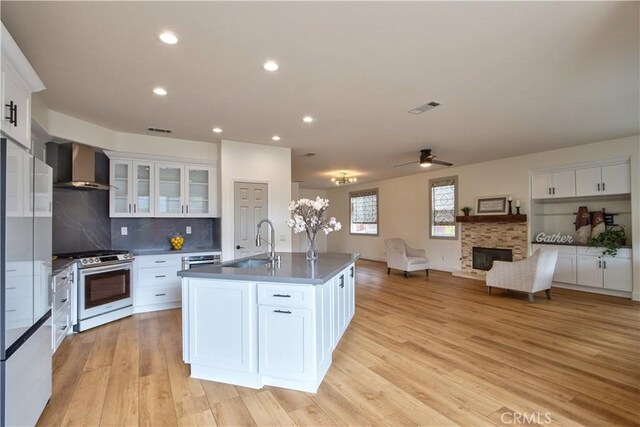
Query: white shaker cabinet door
<point x="285" y="342"/>
<point x="564" y="184"/>
<point x="616" y="179"/>
<point x="588" y="181"/>
<point x="222" y="324"/>
<point x="589" y="271"/>
<point x="565" y="269"/>
<point x="541" y="186"/>
<point x="617" y="273"/>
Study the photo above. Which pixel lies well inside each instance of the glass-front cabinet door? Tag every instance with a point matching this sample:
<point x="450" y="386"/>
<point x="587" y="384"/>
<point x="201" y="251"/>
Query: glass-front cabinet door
<point x="169" y="184"/>
<point x="199" y="191"/>
<point x="120" y="193"/>
<point x="143" y="202"/>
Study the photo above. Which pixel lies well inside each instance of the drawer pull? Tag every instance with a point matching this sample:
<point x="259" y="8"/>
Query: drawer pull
<point x="9" y="271"/>
<point x="11" y="287"/>
<point x="351" y="271"/>
<point x="161" y="276"/>
<point x="62" y="301"/>
<point x="342" y="281"/>
<point x="63" y="328"/>
<point x="13" y="310"/>
<point x="160" y="262"/>
<point x="160" y="295"/>
<point x="281" y="296"/>
<point x="282" y="311"/>
<point x="64" y="278"/>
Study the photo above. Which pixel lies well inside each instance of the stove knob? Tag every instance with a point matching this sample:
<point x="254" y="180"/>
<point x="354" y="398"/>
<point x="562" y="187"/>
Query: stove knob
<point x="84" y="261"/>
<point x="90" y="260"/>
<point x="96" y="260"/>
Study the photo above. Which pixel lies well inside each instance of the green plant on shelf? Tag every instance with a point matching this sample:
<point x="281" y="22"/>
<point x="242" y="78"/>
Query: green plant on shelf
<point x="611" y="240"/>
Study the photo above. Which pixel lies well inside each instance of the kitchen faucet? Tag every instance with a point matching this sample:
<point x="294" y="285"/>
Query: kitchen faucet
<point x="272" y="243"/>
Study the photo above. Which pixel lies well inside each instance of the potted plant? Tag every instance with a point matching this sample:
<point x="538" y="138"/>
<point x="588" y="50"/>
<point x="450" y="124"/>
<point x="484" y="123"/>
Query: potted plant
<point x="466" y="210"/>
<point x="610" y="240"/>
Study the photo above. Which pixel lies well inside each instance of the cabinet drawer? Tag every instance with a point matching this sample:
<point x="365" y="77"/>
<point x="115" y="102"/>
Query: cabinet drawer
<point x="282" y="295"/>
<point x="61" y="279"/>
<point x="16" y="269"/>
<point x="596" y="251"/>
<point x="158" y="277"/>
<point x="168" y="260"/>
<point x="61" y="297"/>
<point x="158" y="295"/>
<point x="61" y="326"/>
<point x="562" y="249"/>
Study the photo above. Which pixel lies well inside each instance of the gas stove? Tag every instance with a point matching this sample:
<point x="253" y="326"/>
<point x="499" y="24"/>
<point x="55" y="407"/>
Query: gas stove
<point x="98" y="258"/>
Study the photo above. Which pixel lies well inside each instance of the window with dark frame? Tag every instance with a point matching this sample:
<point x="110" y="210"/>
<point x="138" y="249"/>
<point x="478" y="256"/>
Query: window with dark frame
<point x="364" y="212"/>
<point x="443" y="205"/>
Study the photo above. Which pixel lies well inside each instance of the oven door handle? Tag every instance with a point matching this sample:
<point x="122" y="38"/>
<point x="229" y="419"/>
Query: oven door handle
<point x="113" y="267"/>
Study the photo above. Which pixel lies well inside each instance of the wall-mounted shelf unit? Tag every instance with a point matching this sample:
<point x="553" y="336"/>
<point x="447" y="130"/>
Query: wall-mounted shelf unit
<point x="492" y="218"/>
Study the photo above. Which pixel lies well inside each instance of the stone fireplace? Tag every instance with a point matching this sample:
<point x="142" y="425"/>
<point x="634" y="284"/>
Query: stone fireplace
<point x="498" y="235"/>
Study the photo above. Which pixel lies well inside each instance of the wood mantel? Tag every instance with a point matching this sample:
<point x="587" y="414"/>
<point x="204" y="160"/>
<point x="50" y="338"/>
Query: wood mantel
<point x="492" y="218"/>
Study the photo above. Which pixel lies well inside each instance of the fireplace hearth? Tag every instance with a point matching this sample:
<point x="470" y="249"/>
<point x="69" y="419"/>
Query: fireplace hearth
<point x="483" y="257"/>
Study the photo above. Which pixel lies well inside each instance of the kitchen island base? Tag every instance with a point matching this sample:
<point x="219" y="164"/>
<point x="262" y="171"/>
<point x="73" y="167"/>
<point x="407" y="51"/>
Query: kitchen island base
<point x="259" y="333"/>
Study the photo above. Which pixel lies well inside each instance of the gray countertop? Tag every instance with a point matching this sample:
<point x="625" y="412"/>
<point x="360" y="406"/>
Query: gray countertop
<point x="294" y="268"/>
<point x="194" y="250"/>
<point x="59" y="264"/>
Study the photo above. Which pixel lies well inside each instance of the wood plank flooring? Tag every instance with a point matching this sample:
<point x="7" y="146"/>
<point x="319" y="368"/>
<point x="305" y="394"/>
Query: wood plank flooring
<point x="418" y="352"/>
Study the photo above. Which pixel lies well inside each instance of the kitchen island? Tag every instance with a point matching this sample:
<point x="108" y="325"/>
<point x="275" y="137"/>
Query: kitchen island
<point x="251" y="323"/>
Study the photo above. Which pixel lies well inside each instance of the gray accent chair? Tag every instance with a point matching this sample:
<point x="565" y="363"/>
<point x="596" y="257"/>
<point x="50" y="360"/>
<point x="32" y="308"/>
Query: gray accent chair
<point x="403" y="257"/>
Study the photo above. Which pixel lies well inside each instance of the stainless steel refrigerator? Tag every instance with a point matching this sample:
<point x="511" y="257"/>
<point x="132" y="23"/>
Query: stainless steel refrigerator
<point x="25" y="275"/>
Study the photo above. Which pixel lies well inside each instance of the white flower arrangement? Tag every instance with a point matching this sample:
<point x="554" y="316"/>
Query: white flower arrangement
<point x="308" y="216"/>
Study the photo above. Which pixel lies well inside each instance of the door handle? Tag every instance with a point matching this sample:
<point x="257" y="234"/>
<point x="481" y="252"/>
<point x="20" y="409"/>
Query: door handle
<point x="239" y="247"/>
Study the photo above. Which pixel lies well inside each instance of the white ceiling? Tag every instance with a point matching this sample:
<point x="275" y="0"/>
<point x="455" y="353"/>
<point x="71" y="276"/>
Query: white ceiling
<point x="513" y="78"/>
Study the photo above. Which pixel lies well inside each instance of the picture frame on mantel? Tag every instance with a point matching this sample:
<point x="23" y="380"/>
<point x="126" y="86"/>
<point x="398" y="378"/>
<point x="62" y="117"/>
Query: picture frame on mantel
<point x="491" y="205"/>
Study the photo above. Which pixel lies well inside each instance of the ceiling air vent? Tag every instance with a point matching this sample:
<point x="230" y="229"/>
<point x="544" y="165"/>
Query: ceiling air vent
<point x="159" y="130"/>
<point x="424" y="107"/>
<point x="309" y="155"/>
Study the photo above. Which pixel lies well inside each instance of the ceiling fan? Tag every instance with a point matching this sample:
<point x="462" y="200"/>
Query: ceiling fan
<point x="426" y="160"/>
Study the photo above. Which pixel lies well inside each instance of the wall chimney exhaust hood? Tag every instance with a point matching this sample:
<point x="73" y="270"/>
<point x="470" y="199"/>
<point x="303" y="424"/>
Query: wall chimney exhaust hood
<point x="76" y="167"/>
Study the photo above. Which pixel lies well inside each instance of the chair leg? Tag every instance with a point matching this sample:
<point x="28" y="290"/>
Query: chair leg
<point x="530" y="298"/>
<point x="406" y="274"/>
<point x="427" y="270"/>
<point x="488" y="290"/>
<point x="388" y="270"/>
<point x="548" y="292"/>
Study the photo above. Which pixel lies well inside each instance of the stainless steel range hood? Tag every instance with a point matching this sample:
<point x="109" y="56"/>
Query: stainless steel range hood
<point x="77" y="168"/>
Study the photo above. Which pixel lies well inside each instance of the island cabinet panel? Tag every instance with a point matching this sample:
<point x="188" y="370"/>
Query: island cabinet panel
<point x="285" y="340"/>
<point x="220" y="324"/>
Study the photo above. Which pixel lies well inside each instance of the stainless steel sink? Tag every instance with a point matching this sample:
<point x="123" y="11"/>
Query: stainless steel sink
<point x="248" y="263"/>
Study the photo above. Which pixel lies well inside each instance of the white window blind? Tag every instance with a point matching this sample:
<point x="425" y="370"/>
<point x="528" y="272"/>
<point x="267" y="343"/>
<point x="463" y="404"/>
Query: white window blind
<point x="443" y="201"/>
<point x="364" y="207"/>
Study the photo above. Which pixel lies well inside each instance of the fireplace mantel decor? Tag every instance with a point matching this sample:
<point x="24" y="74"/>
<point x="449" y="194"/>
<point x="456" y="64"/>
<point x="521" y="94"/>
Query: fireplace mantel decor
<point x="492" y="218"/>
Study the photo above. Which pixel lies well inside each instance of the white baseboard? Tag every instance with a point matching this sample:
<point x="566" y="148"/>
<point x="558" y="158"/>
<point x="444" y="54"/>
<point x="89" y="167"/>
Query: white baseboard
<point x="600" y="291"/>
<point x="635" y="296"/>
<point x="156" y="307"/>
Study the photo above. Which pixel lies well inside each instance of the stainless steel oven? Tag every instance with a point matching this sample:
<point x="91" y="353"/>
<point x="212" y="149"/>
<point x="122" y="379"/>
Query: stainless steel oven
<point x="105" y="285"/>
<point x="198" y="260"/>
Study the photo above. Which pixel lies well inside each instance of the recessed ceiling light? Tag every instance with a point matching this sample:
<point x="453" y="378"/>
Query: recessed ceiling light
<point x="160" y="91"/>
<point x="307" y="119"/>
<point x="275" y="138"/>
<point x="168" y="37"/>
<point x="217" y="130"/>
<point x="270" y="66"/>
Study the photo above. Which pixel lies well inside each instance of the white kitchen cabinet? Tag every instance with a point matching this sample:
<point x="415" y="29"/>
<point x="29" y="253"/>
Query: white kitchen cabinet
<point x="603" y="180"/>
<point x="222" y="326"/>
<point x="132" y="189"/>
<point x="553" y="184"/>
<point x="62" y="302"/>
<point x="285" y="337"/>
<point x="42" y="201"/>
<point x="169" y="184"/>
<point x="617" y="273"/>
<point x="340" y="306"/>
<point x="566" y="269"/>
<point x="589" y="271"/>
<point x="200" y="191"/>
<point x="18" y="81"/>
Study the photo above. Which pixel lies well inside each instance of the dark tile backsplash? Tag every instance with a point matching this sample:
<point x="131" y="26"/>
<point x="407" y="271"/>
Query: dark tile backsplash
<point x="153" y="233"/>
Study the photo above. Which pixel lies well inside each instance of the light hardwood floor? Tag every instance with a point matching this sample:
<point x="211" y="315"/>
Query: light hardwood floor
<point x="418" y="352"/>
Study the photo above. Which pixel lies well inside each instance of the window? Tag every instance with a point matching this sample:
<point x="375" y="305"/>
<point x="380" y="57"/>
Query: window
<point x="364" y="212"/>
<point x="443" y="205"/>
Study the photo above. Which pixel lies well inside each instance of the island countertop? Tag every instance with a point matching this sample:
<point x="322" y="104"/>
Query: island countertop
<point x="293" y="268"/>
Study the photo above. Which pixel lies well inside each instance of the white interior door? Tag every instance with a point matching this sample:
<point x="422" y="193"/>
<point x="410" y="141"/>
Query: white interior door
<point x="250" y="206"/>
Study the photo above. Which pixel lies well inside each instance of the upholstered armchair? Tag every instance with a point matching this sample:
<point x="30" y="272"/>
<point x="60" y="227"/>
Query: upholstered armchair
<point x="530" y="275"/>
<point x="403" y="257"/>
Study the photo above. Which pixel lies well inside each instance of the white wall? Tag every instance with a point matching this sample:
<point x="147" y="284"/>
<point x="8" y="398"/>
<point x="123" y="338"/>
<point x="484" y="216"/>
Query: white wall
<point x="244" y="162"/>
<point x="403" y="201"/>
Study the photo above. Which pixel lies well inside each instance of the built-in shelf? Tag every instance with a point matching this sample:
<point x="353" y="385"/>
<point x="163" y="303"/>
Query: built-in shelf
<point x="492" y="218"/>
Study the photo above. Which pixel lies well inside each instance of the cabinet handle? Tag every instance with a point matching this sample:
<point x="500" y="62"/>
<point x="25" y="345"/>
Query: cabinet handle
<point x="351" y="271"/>
<point x="135" y="208"/>
<point x="549" y="190"/>
<point x="10" y="116"/>
<point x="161" y="276"/>
<point x="603" y="186"/>
<point x="49" y="206"/>
<point x="11" y="311"/>
<point x="129" y="207"/>
<point x="598" y="186"/>
<point x="604" y="264"/>
<point x="554" y="190"/>
<point x="63" y="328"/>
<point x="282" y="311"/>
<point x="599" y="264"/>
<point x="160" y="262"/>
<point x="15" y="115"/>
<point x="182" y="209"/>
<point x="64" y="278"/>
<point x="281" y="296"/>
<point x="160" y="295"/>
<point x="187" y="208"/>
<point x="62" y="301"/>
<point x="342" y="281"/>
<point x="11" y="287"/>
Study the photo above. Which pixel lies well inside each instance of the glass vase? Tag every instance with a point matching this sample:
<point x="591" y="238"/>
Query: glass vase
<point x="312" y="252"/>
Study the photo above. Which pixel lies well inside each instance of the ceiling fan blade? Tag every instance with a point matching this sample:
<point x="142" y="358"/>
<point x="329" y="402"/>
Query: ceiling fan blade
<point x="405" y="164"/>
<point x="438" y="162"/>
